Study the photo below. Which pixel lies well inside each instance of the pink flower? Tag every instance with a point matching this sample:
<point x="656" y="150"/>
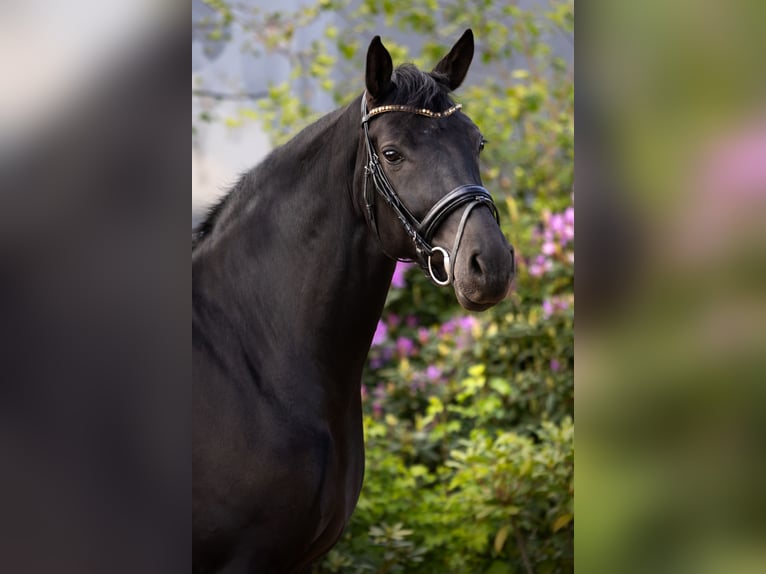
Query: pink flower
<point x="448" y="327"/>
<point x="556" y="223"/>
<point x="569" y="216"/>
<point x="398" y="281"/>
<point x="568" y="234"/>
<point x="554" y="305"/>
<point x="540" y="266"/>
<point x="555" y="365"/>
<point x="433" y="373"/>
<point x="381" y="332"/>
<point x="404" y="346"/>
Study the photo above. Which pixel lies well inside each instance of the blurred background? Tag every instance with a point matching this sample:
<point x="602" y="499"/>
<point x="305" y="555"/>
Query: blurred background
<point x="468" y="417"/>
<point x="94" y="287"/>
<point x="671" y="177"/>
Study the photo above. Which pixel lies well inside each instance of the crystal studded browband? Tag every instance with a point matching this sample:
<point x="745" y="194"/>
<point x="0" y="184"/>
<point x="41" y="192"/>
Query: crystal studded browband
<point x="413" y="110"/>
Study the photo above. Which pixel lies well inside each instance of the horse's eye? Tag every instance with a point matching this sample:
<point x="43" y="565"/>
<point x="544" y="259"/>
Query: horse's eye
<point x="482" y="143"/>
<point x="392" y="156"/>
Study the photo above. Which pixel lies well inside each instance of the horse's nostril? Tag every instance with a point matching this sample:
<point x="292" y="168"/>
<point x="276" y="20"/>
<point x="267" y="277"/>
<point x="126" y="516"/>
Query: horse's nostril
<point x="476" y="265"/>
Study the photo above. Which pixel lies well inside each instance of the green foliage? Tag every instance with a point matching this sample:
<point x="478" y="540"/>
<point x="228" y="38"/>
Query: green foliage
<point x="469" y="440"/>
<point x="468" y="418"/>
<point x="503" y="500"/>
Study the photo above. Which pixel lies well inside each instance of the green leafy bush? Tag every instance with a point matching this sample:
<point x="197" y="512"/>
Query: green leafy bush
<point x="469" y="440"/>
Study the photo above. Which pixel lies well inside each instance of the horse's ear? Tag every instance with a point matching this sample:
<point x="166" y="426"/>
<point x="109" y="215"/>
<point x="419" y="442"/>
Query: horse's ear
<point x="379" y="69"/>
<point x="455" y="64"/>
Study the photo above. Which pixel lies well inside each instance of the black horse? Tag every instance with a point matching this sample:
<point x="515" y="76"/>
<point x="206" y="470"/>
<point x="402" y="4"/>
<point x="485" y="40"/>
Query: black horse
<point x="290" y="273"/>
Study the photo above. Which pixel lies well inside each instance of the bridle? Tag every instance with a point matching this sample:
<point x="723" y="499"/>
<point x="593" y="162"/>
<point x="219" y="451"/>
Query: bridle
<point x="420" y="232"/>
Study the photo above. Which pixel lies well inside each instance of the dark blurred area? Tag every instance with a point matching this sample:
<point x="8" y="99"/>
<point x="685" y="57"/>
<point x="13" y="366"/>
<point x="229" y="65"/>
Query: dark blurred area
<point x="671" y="287"/>
<point x="94" y="304"/>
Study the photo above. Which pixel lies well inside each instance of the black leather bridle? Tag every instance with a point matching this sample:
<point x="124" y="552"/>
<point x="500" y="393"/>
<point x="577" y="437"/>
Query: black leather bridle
<point x="420" y="232"/>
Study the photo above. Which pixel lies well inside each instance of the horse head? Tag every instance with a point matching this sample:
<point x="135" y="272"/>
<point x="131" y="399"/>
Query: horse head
<point x="423" y="161"/>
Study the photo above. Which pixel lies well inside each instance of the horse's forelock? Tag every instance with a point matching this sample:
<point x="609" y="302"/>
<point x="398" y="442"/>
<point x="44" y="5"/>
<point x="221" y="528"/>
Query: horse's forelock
<point x="419" y="89"/>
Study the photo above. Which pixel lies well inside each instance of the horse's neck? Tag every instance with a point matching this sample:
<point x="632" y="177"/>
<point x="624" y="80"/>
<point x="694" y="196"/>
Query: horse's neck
<point x="295" y="263"/>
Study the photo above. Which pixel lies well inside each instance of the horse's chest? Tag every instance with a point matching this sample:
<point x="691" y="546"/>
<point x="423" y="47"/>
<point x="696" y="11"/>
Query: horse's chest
<point x="288" y="483"/>
<point x="323" y="467"/>
<point x="312" y="492"/>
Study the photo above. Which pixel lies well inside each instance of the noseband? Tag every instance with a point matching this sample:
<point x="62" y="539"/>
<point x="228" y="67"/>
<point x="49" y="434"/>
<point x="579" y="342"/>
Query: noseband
<point x="420" y="232"/>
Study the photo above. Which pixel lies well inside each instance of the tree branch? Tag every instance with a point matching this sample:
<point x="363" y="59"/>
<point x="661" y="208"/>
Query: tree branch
<point x="229" y="96"/>
<point x="522" y="550"/>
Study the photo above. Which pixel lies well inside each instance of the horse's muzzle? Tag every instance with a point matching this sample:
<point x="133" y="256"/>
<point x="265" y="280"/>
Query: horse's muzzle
<point x="484" y="278"/>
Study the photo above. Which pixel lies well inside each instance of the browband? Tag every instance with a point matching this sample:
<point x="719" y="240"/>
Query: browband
<point x="411" y="109"/>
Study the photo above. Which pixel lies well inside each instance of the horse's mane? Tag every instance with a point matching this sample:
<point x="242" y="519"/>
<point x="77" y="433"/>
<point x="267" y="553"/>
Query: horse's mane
<point x="204" y="228"/>
<point x="413" y="87"/>
<point x="214" y="213"/>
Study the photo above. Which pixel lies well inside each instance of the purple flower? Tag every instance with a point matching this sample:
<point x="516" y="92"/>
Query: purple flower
<point x="569" y="216"/>
<point x="411" y="321"/>
<point x="567" y="233"/>
<point x="404" y="346"/>
<point x="463" y="327"/>
<point x="555" y="365"/>
<point x="433" y="373"/>
<point x="381" y="332"/>
<point x="393" y="320"/>
<point x="398" y="281"/>
<point x="540" y="266"/>
<point x="467" y="322"/>
<point x="558" y="232"/>
<point x="554" y="305"/>
<point x="423" y="335"/>
<point x="557" y="223"/>
<point x="448" y="327"/>
<point x="379" y="394"/>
